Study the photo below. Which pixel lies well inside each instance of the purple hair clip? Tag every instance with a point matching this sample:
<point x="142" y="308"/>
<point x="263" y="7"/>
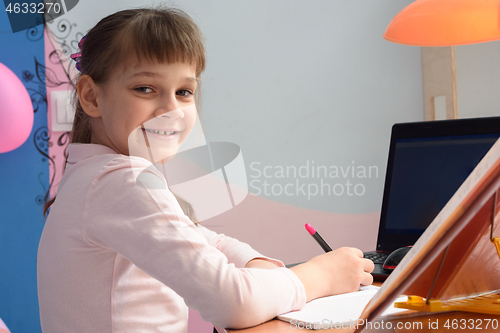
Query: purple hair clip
<point x="78" y="56"/>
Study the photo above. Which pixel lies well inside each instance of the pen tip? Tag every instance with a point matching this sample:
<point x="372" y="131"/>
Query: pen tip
<point x="310" y="229"/>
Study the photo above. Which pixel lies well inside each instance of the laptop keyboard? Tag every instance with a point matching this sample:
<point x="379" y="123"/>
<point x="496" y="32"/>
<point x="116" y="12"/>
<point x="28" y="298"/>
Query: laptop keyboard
<point x="376" y="257"/>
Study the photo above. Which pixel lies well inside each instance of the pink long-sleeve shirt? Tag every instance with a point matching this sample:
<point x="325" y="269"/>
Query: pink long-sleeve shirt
<point x="116" y="256"/>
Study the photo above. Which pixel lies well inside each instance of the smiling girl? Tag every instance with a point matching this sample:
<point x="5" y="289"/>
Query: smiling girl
<point x="116" y="256"/>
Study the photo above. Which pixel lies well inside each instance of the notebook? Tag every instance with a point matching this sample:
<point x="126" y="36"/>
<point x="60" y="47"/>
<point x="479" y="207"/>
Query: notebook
<point x="428" y="161"/>
<point x="339" y="311"/>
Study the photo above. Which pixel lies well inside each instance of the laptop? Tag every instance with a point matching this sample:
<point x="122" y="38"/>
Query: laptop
<point x="428" y="161"/>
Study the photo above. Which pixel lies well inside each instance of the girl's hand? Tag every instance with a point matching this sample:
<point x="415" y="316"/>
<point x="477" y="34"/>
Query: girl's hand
<point x="341" y="271"/>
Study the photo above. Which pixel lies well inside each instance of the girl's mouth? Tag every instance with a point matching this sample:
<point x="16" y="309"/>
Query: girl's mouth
<point x="161" y="132"/>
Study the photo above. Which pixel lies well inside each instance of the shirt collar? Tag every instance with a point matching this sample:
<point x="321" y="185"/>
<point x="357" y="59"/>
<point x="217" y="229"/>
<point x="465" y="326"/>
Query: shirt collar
<point x="80" y="151"/>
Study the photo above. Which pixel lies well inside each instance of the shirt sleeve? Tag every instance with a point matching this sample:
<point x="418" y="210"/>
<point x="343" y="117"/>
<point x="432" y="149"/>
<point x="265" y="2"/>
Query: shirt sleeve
<point x="237" y="252"/>
<point x="143" y="222"/>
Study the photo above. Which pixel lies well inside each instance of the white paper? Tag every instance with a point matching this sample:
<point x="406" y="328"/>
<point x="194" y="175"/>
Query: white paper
<point x="336" y="311"/>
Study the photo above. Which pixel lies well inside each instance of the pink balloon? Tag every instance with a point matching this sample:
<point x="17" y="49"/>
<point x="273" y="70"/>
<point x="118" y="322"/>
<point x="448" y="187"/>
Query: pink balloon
<point x="16" y="111"/>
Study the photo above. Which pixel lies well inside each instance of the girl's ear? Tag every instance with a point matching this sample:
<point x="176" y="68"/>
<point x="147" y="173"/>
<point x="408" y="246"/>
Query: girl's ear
<point x="87" y="94"/>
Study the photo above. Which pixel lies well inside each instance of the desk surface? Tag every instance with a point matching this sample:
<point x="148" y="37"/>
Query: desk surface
<point x="443" y="322"/>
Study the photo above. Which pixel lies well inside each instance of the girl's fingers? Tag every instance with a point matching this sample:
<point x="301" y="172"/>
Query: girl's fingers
<point x="368" y="265"/>
<point x="367" y="279"/>
<point x="358" y="252"/>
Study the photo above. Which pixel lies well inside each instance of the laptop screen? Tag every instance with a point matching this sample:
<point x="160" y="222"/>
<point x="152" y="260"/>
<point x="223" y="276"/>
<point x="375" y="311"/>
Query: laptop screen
<point x="427" y="163"/>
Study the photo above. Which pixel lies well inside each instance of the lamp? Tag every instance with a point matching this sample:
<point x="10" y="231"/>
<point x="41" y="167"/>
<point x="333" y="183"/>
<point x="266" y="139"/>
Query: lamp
<point x="444" y="23"/>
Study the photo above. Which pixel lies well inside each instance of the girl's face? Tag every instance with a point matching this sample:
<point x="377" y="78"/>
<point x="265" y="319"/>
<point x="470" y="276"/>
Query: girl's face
<point x="147" y="110"/>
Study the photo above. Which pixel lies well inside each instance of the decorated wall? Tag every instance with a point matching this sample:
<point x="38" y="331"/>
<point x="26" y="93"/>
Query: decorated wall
<point x="24" y="181"/>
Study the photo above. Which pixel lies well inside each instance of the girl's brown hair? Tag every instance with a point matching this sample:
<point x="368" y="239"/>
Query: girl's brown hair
<point x="159" y="34"/>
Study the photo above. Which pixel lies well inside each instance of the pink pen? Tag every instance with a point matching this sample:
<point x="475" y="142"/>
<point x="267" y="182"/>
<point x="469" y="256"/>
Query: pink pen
<point x="318" y="238"/>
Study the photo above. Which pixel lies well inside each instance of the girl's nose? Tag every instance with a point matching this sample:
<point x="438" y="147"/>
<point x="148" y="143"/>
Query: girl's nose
<point x="172" y="114"/>
<point x="170" y="109"/>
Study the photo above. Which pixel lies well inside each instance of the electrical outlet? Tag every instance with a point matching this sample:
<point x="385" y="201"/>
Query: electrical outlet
<point x="62" y="111"/>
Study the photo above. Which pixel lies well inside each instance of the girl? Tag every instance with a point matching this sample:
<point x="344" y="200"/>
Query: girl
<point x="121" y="254"/>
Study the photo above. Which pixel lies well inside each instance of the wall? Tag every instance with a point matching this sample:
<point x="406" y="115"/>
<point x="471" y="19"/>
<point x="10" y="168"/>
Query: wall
<point x="24" y="179"/>
<point x="478" y="72"/>
<point x="308" y="83"/>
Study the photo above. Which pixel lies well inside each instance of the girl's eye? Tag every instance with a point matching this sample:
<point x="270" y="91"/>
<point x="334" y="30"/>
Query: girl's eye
<point x="144" y="89"/>
<point x="184" y="93"/>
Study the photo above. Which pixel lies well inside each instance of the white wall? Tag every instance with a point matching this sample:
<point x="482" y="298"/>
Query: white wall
<point x="478" y="79"/>
<point x="299" y="81"/>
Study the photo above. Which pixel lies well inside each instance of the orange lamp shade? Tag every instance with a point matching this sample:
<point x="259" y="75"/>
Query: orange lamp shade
<point x="446" y="23"/>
